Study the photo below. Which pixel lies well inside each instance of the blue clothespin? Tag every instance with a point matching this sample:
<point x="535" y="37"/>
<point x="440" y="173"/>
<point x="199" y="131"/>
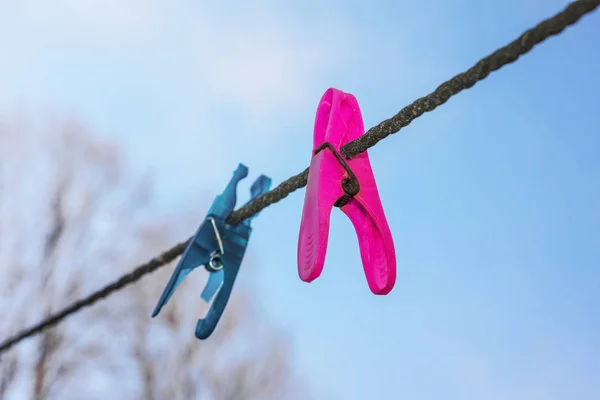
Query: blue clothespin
<point x="218" y="246"/>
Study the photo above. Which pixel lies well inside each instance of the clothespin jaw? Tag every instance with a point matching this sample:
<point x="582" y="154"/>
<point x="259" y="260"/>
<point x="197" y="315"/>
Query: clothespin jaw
<point x="334" y="181"/>
<point x="235" y="242"/>
<point x="220" y="248"/>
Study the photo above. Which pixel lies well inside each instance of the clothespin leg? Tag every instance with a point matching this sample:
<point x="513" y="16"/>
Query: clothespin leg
<point x="192" y="257"/>
<point x="215" y="280"/>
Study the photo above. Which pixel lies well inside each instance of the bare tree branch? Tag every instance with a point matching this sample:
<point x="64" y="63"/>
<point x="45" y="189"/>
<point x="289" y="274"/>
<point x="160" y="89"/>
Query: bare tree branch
<point x="75" y="220"/>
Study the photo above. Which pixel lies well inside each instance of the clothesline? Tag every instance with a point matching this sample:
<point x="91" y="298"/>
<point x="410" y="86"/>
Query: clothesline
<point x="501" y="57"/>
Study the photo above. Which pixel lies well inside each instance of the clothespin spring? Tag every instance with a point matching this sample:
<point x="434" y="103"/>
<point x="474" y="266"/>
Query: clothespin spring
<point x="215" y="264"/>
<point x="350" y="184"/>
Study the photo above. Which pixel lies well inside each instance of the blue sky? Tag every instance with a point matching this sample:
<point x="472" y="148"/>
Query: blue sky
<point x="493" y="199"/>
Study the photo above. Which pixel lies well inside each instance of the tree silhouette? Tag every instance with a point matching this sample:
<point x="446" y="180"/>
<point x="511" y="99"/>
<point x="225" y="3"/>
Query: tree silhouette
<point x="73" y="219"/>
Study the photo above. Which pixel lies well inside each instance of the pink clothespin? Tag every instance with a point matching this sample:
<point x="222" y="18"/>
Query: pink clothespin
<point x="349" y="185"/>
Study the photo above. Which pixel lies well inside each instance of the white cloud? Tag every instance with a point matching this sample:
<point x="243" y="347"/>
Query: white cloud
<point x="251" y="56"/>
<point x="262" y="64"/>
<point x="109" y="18"/>
<point x="109" y="13"/>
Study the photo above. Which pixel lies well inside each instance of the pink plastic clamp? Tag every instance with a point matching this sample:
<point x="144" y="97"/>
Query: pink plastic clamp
<point x="349" y="185"/>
